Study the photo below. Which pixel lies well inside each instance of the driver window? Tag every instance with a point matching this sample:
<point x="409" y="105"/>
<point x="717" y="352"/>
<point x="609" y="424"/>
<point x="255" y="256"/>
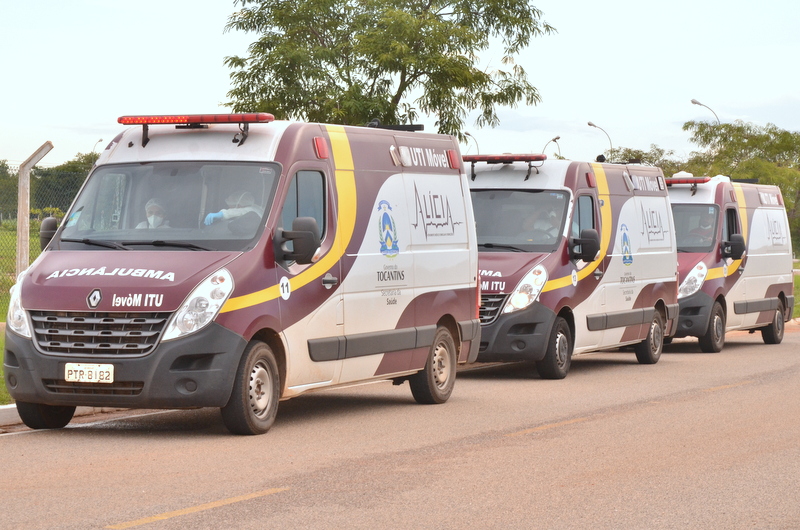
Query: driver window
<point x="584" y="215"/>
<point x="305" y="198"/>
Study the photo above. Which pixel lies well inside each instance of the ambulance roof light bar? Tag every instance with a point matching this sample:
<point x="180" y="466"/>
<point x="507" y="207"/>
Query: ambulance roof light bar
<point x="195" y="120"/>
<point x="505" y="159"/>
<point x="693" y="181"/>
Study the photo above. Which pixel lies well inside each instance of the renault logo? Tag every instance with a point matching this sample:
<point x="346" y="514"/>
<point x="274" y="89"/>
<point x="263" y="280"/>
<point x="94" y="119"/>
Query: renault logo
<point x="93" y="300"/>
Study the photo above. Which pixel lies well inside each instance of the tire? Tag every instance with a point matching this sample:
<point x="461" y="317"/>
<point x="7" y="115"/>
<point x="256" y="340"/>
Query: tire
<point x="435" y="382"/>
<point x="558" y="357"/>
<point x="773" y="334"/>
<point x="714" y="339"/>
<point x="649" y="350"/>
<point x="253" y="404"/>
<point x="38" y="416"/>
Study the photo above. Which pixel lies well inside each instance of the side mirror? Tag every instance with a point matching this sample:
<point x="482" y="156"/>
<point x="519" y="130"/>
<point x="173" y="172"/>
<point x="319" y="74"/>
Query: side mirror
<point x="47" y="230"/>
<point x="585" y="247"/>
<point x="734" y="248"/>
<point x="304" y="236"/>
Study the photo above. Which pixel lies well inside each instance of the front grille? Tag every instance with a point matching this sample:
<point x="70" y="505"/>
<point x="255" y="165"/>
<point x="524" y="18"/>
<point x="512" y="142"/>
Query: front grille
<point x="119" y="388"/>
<point x="491" y="304"/>
<point x="97" y="334"/>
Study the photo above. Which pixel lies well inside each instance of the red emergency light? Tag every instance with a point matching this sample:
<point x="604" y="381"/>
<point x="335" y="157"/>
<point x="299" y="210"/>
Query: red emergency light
<point x="188" y="119"/>
<point x="504" y="159"/>
<point x="198" y="121"/>
<point x="693" y="180"/>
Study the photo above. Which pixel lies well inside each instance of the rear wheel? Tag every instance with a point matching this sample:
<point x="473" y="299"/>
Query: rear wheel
<point x="649" y="350"/>
<point x="253" y="404"/>
<point x="558" y="357"/>
<point x="714" y="339"/>
<point x="38" y="416"/>
<point x="773" y="334"/>
<point x="435" y="382"/>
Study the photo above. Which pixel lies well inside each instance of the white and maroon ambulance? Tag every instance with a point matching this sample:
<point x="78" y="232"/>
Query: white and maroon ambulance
<point x="233" y="260"/>
<point x="575" y="257"/>
<point x="735" y="258"/>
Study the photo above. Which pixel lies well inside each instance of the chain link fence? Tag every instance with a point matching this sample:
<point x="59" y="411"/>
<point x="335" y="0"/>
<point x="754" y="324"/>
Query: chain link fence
<point x="52" y="192"/>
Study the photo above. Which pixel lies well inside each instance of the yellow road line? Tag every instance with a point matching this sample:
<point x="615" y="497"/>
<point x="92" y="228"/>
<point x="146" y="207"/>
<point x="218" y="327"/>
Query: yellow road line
<point x="548" y="426"/>
<point x="724" y="387"/>
<point x="195" y="509"/>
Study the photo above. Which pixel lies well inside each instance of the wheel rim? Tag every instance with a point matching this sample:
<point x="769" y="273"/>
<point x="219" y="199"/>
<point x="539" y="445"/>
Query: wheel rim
<point x="441" y="365"/>
<point x="719" y="329"/>
<point x="657" y="336"/>
<point x="260" y="389"/>
<point x="562" y="349"/>
<point x="779" y="322"/>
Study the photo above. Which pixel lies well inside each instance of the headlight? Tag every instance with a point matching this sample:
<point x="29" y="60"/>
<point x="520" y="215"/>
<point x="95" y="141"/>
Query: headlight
<point x="693" y="281"/>
<point x="201" y="306"/>
<point x="17" y="318"/>
<point x="527" y="291"/>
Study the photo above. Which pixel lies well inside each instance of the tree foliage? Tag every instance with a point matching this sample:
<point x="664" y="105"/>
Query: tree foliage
<point x="53" y="189"/>
<point x="740" y="150"/>
<point x="352" y="61"/>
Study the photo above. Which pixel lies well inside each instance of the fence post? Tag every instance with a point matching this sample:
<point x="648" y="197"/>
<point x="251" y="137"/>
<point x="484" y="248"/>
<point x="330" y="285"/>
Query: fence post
<point x="24" y="207"/>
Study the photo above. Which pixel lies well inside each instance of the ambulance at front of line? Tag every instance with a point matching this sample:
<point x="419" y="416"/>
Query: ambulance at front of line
<point x="234" y="260"/>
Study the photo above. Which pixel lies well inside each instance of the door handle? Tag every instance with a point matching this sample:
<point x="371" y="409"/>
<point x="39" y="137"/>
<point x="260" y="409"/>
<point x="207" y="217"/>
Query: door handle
<point x="598" y="273"/>
<point x="329" y="280"/>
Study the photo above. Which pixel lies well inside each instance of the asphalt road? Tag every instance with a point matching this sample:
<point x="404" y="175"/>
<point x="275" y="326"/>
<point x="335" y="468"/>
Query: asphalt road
<point x="695" y="441"/>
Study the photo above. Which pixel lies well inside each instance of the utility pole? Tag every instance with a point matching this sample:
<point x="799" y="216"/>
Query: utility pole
<point x="24" y="207"/>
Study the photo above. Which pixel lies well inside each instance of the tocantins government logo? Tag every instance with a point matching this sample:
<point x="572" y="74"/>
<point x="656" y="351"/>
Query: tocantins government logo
<point x="388" y="230"/>
<point x="627" y="255"/>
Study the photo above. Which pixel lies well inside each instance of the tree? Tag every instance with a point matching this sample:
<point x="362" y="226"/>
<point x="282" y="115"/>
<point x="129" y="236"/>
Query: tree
<point x="656" y="156"/>
<point x="747" y="151"/>
<point x="353" y="61"/>
<point x="54" y="188"/>
<point x="8" y="191"/>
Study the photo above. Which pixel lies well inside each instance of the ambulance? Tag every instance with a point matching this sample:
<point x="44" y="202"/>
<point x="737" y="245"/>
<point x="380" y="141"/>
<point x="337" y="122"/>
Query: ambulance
<point x="574" y="258"/>
<point x="734" y="258"/>
<point x="233" y="261"/>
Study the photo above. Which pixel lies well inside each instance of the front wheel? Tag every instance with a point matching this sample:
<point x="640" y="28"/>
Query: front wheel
<point x="714" y="339"/>
<point x="773" y="334"/>
<point x="558" y="357"/>
<point x="253" y="404"/>
<point x="649" y="350"/>
<point x="435" y="382"/>
<point x="38" y="416"/>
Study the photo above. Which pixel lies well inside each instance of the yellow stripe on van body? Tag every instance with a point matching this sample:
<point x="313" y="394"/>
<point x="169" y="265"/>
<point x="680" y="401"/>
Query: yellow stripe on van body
<point x="719" y="272"/>
<point x="345" y="224"/>
<point x="606" y="219"/>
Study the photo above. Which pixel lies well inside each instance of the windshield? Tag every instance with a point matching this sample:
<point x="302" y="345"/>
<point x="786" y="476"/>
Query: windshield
<point x="172" y="205"/>
<point x="519" y="220"/>
<point x="695" y="226"/>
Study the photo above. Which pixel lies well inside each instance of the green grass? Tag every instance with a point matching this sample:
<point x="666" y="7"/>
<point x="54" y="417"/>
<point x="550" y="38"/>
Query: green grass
<point x="796" y="312"/>
<point x="5" y="398"/>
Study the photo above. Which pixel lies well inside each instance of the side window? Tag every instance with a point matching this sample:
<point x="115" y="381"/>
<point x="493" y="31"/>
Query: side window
<point x="306" y="198"/>
<point x="731" y="225"/>
<point x="584" y="215"/>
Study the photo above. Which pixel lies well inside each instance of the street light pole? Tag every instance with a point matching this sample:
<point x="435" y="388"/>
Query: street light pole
<point x="611" y="146"/>
<point x="95" y="144"/>
<point x="474" y="140"/>
<point x="554" y="140"/>
<point x="695" y="102"/>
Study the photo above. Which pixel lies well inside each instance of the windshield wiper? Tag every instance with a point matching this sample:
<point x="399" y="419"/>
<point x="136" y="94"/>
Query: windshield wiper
<point x="505" y="247"/>
<point x="96" y="242"/>
<point x="162" y="243"/>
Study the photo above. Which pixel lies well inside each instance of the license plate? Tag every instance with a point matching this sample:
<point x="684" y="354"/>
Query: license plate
<point x="89" y="373"/>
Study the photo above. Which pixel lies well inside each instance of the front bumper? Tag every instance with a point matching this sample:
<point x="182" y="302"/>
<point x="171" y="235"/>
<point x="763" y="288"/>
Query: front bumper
<point x="195" y="371"/>
<point x="518" y="336"/>
<point x="694" y="315"/>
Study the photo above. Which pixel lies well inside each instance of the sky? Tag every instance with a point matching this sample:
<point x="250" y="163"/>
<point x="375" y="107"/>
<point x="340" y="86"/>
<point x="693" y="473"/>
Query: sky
<point x="71" y="68"/>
